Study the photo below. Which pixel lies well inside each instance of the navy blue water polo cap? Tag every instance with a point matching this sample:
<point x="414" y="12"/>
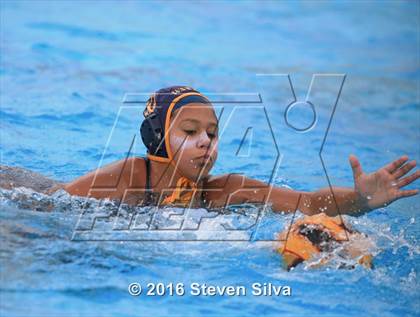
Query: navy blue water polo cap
<point x="157" y="118"/>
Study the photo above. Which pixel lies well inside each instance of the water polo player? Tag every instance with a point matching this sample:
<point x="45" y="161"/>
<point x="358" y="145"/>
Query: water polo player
<point x="180" y="131"/>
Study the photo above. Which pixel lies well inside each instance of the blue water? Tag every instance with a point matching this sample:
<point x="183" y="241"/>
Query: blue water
<point x="65" y="69"/>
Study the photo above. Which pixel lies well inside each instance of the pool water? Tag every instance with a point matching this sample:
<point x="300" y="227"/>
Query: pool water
<point x="66" y="69"/>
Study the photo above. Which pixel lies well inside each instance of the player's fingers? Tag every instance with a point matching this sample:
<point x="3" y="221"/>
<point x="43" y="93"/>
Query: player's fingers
<point x="391" y="167"/>
<point x="404" y="169"/>
<point x="409" y="179"/>
<point x="355" y="166"/>
<point x="408" y="193"/>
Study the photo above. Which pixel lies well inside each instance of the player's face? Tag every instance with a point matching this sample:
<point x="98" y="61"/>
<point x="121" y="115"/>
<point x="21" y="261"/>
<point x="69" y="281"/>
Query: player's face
<point x="194" y="139"/>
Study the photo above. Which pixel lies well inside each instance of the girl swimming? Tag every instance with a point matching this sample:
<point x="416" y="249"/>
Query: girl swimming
<point x="181" y="136"/>
<point x="180" y="132"/>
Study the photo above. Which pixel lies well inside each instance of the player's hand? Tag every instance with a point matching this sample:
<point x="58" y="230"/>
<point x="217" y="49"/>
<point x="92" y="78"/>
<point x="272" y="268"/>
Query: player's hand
<point x="384" y="186"/>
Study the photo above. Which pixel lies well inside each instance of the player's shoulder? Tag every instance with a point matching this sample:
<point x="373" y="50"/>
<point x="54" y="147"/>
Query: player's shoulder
<point x="230" y="180"/>
<point x="130" y="163"/>
<point x="135" y="169"/>
<point x="129" y="170"/>
<point x="226" y="180"/>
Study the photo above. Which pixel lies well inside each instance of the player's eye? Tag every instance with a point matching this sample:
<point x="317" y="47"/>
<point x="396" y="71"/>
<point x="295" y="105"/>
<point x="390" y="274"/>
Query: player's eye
<point x="212" y="135"/>
<point x="189" y="132"/>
